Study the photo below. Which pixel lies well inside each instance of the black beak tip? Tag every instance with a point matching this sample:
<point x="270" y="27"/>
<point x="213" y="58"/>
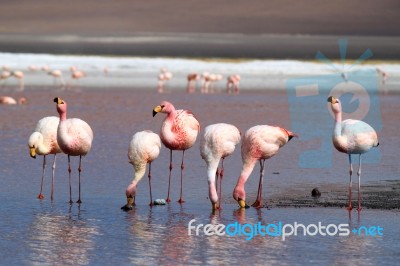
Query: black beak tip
<point x="329" y="99"/>
<point x="55" y="99"/>
<point x="154" y="113"/>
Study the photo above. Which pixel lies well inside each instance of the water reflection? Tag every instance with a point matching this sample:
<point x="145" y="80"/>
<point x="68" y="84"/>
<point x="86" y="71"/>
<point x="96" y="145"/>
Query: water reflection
<point x="65" y="239"/>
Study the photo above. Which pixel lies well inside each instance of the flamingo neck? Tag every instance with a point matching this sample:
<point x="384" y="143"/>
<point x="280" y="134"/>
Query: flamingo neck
<point x="138" y="174"/>
<point x="337" y="130"/>
<point x="63" y="116"/>
<point x="246" y="172"/>
<point x="212" y="167"/>
<point x="339" y="141"/>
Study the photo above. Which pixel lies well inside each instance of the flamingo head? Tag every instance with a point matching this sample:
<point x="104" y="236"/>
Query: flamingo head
<point x="33" y="141"/>
<point x="61" y="105"/>
<point x="164" y="107"/>
<point x="130" y="197"/>
<point x="335" y="104"/>
<point x="239" y="195"/>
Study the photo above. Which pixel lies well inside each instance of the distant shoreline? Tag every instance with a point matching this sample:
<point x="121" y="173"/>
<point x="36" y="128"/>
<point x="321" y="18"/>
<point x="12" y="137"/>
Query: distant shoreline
<point x="207" y="45"/>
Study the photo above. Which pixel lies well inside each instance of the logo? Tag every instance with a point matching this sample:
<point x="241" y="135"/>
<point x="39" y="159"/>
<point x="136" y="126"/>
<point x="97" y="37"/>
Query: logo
<point x="357" y="90"/>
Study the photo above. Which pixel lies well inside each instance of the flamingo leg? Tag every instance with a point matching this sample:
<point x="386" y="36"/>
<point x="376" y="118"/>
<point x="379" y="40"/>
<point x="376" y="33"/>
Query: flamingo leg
<point x="149" y="175"/>
<point x="359" y="184"/>
<point x="221" y="175"/>
<point x="40" y="196"/>
<point x="70" y="181"/>
<point x="79" y="170"/>
<point x="168" y="200"/>
<point x="351" y="183"/>
<point x="182" y="167"/>
<point x="216" y="179"/>
<point x="52" y="177"/>
<point x="258" y="202"/>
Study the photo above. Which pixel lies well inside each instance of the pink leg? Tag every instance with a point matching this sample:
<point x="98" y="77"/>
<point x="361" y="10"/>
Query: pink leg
<point x="151" y="196"/>
<point x="52" y="177"/>
<point x="79" y="170"/>
<point x="359" y="184"/>
<point x="350" y="185"/>
<point x="221" y="175"/>
<point x="40" y="196"/>
<point x="258" y="202"/>
<point x="168" y="200"/>
<point x="182" y="167"/>
<point x="70" y="181"/>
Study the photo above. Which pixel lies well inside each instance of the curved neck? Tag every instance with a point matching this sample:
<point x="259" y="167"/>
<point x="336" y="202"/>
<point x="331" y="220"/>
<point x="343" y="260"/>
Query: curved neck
<point x="337" y="130"/>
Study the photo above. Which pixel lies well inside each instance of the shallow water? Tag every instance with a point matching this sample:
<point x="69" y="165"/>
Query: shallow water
<point x="97" y="232"/>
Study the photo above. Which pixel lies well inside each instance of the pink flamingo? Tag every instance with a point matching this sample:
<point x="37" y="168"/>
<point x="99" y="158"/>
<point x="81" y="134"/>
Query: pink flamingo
<point x="178" y="132"/>
<point x="163" y="77"/>
<point x="43" y="141"/>
<point x="11" y="101"/>
<point x="143" y="149"/>
<point x="20" y="76"/>
<point x="76" y="74"/>
<point x="259" y="143"/>
<point x="74" y="136"/>
<point x="233" y="84"/>
<point x="192" y="80"/>
<point x="352" y="137"/>
<point x="217" y="142"/>
<point x="58" y="76"/>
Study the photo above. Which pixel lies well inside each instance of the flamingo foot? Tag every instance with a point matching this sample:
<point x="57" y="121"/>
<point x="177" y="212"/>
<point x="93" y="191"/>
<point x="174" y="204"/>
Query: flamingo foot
<point x="79" y="201"/>
<point x="151" y="204"/>
<point x="359" y="209"/>
<point x="40" y="196"/>
<point x="168" y="200"/>
<point x="70" y="201"/>
<point x="127" y="207"/>
<point x="257" y="204"/>
<point x="349" y="208"/>
<point x="180" y="201"/>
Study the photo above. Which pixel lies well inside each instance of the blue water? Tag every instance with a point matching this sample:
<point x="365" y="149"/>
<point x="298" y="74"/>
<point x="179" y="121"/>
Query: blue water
<point x="98" y="232"/>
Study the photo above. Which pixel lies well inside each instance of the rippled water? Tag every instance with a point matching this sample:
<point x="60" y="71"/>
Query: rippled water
<point x="97" y="232"/>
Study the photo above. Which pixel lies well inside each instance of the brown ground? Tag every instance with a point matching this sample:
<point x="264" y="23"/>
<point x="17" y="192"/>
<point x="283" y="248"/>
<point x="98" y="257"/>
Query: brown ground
<point x="176" y="28"/>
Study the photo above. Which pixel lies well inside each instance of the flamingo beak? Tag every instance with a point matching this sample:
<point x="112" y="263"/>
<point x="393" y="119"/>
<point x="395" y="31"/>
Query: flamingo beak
<point x="332" y="100"/>
<point x="32" y="153"/>
<point x="156" y="110"/>
<point x="58" y="100"/>
<point x="242" y="203"/>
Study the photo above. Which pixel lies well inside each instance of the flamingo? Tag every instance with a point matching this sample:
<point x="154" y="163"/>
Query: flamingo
<point x="192" y="79"/>
<point x="43" y="141"/>
<point x="233" y="84"/>
<point x="178" y="132"/>
<point x="20" y="76"/>
<point x="259" y="144"/>
<point x="383" y="74"/>
<point x="74" y="136"/>
<point x="163" y="77"/>
<point x="143" y="149"/>
<point x="11" y="101"/>
<point x="57" y="74"/>
<point x="76" y="74"/>
<point x="218" y="141"/>
<point x="352" y="137"/>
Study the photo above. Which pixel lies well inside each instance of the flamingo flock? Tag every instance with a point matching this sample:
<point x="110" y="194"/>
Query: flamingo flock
<point x="178" y="132"/>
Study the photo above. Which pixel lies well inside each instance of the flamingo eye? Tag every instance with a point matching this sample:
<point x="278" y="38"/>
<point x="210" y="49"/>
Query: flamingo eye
<point x="162" y="106"/>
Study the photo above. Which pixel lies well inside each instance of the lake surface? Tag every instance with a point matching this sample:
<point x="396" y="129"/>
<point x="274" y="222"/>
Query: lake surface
<point x="98" y="232"/>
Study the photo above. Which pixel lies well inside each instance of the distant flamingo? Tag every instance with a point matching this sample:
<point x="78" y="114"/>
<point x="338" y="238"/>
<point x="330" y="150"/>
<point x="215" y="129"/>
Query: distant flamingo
<point x="45" y="68"/>
<point x="163" y="77"/>
<point x="43" y="141"/>
<point x="11" y="101"/>
<point x="74" y="136"/>
<point x="33" y="68"/>
<point x="217" y="142"/>
<point x="20" y="76"/>
<point x="352" y="137"/>
<point x="209" y="82"/>
<point x="192" y="80"/>
<point x="143" y="149"/>
<point x="383" y="74"/>
<point x="76" y="74"/>
<point x="206" y="82"/>
<point x="233" y="84"/>
<point x="259" y="143"/>
<point x="58" y="76"/>
<point x="178" y="132"/>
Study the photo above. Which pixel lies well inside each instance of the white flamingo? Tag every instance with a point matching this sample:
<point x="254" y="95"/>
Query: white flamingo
<point x="43" y="141"/>
<point x="218" y="141"/>
<point x="352" y="137"/>
<point x="143" y="149"/>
